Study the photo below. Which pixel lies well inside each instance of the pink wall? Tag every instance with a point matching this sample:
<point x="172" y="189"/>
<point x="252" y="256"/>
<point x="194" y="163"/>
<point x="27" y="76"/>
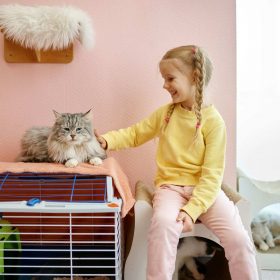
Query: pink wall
<point x="119" y="78"/>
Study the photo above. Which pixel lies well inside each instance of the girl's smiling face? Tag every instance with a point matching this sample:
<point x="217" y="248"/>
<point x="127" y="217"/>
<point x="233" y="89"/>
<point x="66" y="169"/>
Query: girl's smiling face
<point x="178" y="81"/>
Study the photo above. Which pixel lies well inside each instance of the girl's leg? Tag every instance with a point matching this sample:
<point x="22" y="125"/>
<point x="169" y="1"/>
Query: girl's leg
<point x="224" y="220"/>
<point x="164" y="233"/>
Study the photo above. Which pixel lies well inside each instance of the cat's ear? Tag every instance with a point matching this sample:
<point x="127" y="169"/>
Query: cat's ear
<point x="88" y="115"/>
<point x="56" y="114"/>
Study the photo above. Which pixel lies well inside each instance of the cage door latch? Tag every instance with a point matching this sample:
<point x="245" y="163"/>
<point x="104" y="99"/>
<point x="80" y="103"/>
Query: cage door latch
<point x="33" y="201"/>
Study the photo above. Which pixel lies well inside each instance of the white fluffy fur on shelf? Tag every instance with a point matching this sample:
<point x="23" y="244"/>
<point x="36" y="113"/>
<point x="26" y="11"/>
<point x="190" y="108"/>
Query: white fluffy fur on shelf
<point x="46" y="27"/>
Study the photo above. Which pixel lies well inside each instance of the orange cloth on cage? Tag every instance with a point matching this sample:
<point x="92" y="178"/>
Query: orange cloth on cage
<point x="109" y="167"/>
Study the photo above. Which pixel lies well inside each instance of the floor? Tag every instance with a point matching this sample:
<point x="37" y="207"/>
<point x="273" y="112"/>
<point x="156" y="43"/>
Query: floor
<point x="270" y="274"/>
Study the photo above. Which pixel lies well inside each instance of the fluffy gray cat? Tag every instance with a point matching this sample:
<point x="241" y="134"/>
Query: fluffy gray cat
<point x="70" y="140"/>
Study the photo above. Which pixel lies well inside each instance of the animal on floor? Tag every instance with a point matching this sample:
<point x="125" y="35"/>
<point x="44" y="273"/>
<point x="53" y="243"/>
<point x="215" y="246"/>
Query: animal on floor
<point x="190" y="248"/>
<point x="70" y="141"/>
<point x="266" y="228"/>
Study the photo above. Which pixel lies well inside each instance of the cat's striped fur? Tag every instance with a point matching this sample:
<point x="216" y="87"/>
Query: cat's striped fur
<point x="70" y="140"/>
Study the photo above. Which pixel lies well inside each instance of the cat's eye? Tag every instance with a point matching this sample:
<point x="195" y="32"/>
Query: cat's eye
<point x="78" y="129"/>
<point x="66" y="128"/>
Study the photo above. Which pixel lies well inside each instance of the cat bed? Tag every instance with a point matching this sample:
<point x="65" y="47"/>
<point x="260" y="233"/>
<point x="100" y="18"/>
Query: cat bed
<point x="261" y="194"/>
<point x="136" y="242"/>
<point x="271" y="187"/>
<point x="109" y="167"/>
<point x="46" y="27"/>
<point x="269" y="259"/>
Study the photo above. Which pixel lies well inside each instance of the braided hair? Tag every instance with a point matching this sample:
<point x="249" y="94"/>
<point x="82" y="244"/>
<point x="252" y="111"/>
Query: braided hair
<point x="195" y="57"/>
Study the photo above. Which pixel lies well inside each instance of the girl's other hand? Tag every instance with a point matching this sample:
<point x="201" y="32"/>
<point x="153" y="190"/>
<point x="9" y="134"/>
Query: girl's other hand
<point x="186" y="220"/>
<point x="101" y="140"/>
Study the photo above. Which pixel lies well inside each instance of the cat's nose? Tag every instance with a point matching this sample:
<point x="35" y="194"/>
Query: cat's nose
<point x="73" y="136"/>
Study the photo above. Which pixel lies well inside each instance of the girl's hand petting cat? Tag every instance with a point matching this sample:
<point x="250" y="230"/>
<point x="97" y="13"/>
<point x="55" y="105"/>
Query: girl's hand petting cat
<point x="186" y="220"/>
<point x="101" y="140"/>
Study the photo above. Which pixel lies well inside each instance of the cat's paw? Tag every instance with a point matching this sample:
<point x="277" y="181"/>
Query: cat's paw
<point x="71" y="162"/>
<point x="271" y="244"/>
<point x="264" y="247"/>
<point x="95" y="161"/>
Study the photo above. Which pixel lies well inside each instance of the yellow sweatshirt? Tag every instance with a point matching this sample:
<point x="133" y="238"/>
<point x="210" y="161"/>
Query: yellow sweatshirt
<point x="180" y="160"/>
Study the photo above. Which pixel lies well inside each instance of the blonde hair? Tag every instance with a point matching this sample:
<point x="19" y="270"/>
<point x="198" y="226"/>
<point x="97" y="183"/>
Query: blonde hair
<point x="201" y="65"/>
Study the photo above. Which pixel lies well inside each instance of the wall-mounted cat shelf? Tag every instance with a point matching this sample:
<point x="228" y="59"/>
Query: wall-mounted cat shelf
<point x="43" y="34"/>
<point x="15" y="53"/>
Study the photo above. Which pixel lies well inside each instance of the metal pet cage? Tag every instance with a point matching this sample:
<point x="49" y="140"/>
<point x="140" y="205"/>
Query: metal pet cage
<point x="59" y="226"/>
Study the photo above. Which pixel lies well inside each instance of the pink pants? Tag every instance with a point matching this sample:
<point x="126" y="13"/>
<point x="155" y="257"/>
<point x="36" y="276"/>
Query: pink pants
<point x="222" y="218"/>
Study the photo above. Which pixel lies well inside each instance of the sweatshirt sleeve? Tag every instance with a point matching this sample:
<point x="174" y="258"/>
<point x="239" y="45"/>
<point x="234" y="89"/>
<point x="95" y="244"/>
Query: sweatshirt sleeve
<point x="209" y="185"/>
<point x="135" y="135"/>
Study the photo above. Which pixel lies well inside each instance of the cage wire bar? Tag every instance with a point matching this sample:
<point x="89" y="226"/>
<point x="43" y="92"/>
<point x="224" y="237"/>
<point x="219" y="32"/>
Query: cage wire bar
<point x="59" y="226"/>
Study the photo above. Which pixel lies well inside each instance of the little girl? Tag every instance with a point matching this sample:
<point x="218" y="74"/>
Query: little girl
<point x="190" y="165"/>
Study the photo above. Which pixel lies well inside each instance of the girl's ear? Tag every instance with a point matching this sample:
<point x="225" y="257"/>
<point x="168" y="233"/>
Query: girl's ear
<point x="88" y="114"/>
<point x="56" y="114"/>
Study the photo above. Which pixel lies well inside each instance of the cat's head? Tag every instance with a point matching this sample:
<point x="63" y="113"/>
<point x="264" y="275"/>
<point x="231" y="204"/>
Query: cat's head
<point x="72" y="128"/>
<point x="260" y="227"/>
